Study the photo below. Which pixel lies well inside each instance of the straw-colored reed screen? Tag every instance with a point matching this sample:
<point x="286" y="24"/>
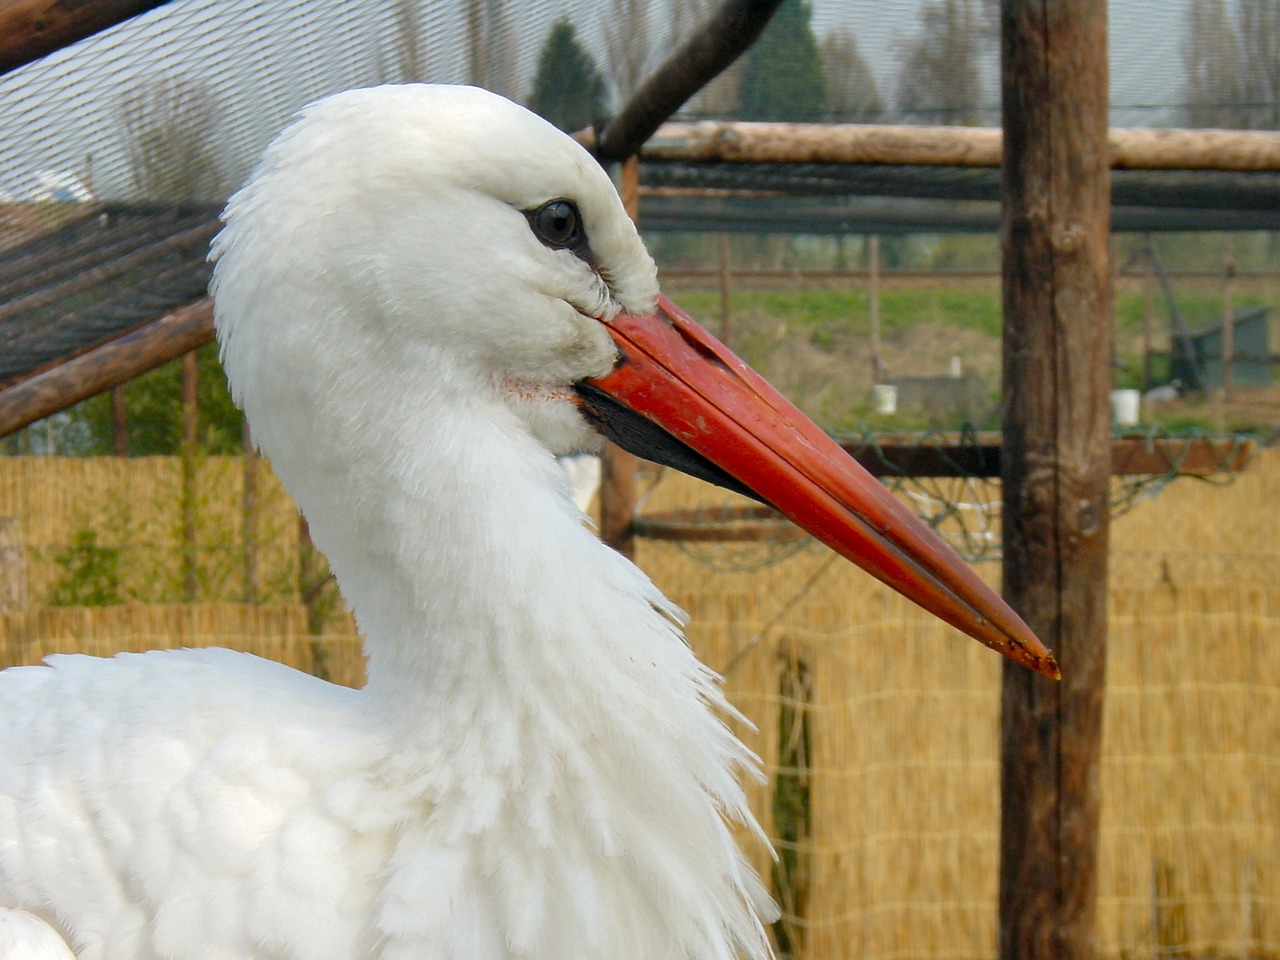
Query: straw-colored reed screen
<point x="877" y="725"/>
<point x="126" y="529"/>
<point x="275" y="631"/>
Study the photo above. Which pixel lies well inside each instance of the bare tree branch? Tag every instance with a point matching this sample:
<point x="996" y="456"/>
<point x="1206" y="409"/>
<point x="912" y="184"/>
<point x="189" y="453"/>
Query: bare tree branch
<point x="706" y="54"/>
<point x="168" y="124"/>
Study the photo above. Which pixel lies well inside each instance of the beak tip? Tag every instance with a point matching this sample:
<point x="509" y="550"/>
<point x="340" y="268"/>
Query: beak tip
<point x="1039" y="660"/>
<point x="1048" y="666"/>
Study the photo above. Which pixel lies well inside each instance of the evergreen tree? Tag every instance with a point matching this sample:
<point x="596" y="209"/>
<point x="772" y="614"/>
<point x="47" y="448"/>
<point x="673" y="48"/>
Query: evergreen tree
<point x="567" y="89"/>
<point x="782" y="78"/>
<point x="1231" y="65"/>
<point x="940" y="79"/>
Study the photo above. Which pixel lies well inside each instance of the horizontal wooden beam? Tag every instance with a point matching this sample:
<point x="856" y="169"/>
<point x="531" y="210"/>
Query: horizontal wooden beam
<point x="1241" y="151"/>
<point x="107" y="366"/>
<point x="949" y="456"/>
<point x="735" y="524"/>
<point x="1199" y="457"/>
<point x="677" y="277"/>
<point x="30" y="29"/>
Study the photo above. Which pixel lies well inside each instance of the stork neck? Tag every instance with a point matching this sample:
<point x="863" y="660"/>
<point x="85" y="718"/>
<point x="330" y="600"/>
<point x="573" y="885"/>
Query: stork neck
<point x="463" y="556"/>
<point x="530" y="684"/>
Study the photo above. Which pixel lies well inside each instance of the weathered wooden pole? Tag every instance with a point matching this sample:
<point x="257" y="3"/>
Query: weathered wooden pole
<point x="726" y="289"/>
<point x="728" y="32"/>
<point x="30" y="29"/>
<point x="119" y="415"/>
<point x="873" y="304"/>
<point x="739" y="141"/>
<point x="1057" y="375"/>
<point x="1228" y="315"/>
<point x="1148" y="315"/>
<point x="617" y="467"/>
<point x="104" y="367"/>
<point x="249" y="515"/>
<point x="190" y="458"/>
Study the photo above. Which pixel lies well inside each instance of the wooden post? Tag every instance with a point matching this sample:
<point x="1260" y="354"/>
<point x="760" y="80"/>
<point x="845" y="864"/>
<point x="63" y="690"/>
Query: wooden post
<point x="1057" y="375"/>
<point x="249" y="518"/>
<point x="873" y="304"/>
<point x="1148" y="315"/>
<point x="13" y="566"/>
<point x="726" y="283"/>
<point x="313" y="590"/>
<point x="617" y="467"/>
<point x="1228" y="315"/>
<point x="190" y="425"/>
<point x="118" y="421"/>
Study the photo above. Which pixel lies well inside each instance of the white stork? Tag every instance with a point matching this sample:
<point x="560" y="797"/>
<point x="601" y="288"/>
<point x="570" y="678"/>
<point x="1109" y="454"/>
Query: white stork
<point x="423" y="295"/>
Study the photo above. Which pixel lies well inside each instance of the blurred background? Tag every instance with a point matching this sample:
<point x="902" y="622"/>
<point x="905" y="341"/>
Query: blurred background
<point x="141" y="517"/>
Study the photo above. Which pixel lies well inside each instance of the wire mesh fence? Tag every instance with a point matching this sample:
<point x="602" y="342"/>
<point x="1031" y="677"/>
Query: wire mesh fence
<point x="176" y="104"/>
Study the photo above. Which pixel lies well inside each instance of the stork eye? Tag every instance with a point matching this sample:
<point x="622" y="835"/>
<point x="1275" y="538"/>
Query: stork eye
<point x="558" y="224"/>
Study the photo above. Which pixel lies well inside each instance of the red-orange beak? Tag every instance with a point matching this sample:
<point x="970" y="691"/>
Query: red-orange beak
<point x="681" y="397"/>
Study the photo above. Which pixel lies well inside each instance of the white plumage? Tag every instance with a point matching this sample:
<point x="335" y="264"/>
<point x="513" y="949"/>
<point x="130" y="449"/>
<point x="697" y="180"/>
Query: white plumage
<point x="535" y="768"/>
<point x="424" y="295"/>
<point x="27" y="937"/>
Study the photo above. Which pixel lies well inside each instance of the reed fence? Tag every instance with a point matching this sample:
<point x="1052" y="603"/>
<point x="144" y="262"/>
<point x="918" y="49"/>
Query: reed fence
<point x="878" y="725"/>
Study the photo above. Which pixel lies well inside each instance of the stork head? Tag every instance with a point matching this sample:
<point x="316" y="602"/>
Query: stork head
<point x="445" y="233"/>
<point x="448" y="230"/>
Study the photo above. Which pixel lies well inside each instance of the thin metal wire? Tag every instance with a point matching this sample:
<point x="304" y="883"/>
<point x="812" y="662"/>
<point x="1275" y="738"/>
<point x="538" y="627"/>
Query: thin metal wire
<point x="963" y="509"/>
<point x="257" y="62"/>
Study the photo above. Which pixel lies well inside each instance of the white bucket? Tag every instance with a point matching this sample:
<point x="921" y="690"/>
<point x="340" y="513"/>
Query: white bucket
<point x="1125" y="407"/>
<point x="884" y="397"/>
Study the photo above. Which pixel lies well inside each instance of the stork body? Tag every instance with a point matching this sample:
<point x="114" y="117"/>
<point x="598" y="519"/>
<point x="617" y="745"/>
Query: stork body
<point x="24" y="936"/>
<point x="424" y="295"/>
<point x="513" y="781"/>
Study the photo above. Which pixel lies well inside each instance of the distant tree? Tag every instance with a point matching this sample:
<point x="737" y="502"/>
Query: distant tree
<point x="852" y="96"/>
<point x="153" y="405"/>
<point x="633" y="49"/>
<point x="491" y="46"/>
<point x="1260" y="48"/>
<point x="567" y="89"/>
<point x="169" y="126"/>
<point x="722" y="97"/>
<point x="940" y="78"/>
<point x="685" y="17"/>
<point x="782" y="78"/>
<point x="410" y="57"/>
<point x="1211" y="67"/>
<point x="1231" y="65"/>
<point x="628" y="45"/>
